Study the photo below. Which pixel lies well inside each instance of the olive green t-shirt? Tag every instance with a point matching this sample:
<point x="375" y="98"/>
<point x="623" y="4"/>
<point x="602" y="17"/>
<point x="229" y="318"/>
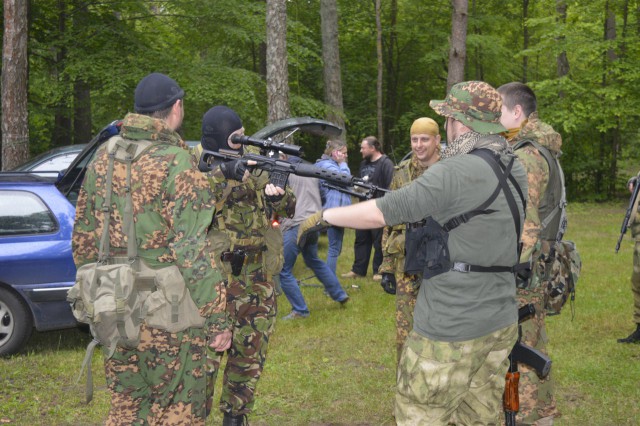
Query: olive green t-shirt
<point x="456" y="306"/>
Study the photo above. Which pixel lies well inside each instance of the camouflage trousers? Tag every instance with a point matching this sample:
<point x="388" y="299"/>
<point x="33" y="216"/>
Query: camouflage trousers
<point x="635" y="283"/>
<point x="407" y="287"/>
<point x="251" y="303"/>
<point x="453" y="382"/>
<point x="536" y="395"/>
<point x="161" y="382"/>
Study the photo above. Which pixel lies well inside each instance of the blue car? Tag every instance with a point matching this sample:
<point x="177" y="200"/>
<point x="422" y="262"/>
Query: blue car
<point x="36" y="222"/>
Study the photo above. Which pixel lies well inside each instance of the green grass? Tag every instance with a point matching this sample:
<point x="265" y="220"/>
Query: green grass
<point x="338" y="366"/>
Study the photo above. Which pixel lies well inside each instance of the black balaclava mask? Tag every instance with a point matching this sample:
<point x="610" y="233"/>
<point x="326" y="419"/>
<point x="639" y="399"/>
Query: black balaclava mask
<point x="217" y="124"/>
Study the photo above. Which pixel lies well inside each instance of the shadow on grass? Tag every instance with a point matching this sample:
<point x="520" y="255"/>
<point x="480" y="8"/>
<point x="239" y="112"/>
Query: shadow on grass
<point x="54" y="341"/>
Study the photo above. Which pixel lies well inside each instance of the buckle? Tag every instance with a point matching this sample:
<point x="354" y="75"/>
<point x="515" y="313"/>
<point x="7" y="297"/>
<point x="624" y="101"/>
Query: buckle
<point x="461" y="267"/>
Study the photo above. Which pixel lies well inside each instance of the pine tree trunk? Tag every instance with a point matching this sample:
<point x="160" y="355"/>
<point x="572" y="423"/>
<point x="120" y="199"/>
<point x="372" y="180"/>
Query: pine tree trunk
<point x="276" y="59"/>
<point x="458" y="49"/>
<point x="331" y="60"/>
<point x="15" y="120"/>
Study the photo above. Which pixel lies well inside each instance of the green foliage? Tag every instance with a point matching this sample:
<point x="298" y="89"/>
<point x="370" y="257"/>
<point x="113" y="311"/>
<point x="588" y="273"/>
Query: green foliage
<point x="215" y="50"/>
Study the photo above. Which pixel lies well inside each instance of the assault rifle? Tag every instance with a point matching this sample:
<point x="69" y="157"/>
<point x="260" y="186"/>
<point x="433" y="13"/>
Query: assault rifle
<point x="279" y="171"/>
<point x="627" y="216"/>
<point x="525" y="354"/>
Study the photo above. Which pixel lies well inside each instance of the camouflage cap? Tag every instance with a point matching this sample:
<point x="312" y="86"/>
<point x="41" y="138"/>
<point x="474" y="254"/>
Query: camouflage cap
<point x="475" y="104"/>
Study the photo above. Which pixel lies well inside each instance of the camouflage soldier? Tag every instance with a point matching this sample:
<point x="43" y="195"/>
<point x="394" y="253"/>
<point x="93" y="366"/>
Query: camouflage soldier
<point x="635" y="276"/>
<point x="251" y="253"/>
<point x="425" y="151"/>
<point x="455" y="359"/>
<point x="163" y="380"/>
<point x="519" y="116"/>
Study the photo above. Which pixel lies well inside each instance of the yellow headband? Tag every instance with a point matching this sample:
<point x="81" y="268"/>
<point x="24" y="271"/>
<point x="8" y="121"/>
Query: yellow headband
<point x="424" y="126"/>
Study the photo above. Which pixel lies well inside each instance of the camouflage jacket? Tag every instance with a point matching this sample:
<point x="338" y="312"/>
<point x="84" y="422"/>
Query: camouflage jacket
<point x="173" y="208"/>
<point x="393" y="236"/>
<point x="244" y="213"/>
<point x="537" y="175"/>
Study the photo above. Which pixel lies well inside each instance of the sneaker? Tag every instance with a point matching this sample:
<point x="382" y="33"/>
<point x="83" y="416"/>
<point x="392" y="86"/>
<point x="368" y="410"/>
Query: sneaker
<point x="295" y="315"/>
<point x="377" y="277"/>
<point x="351" y="274"/>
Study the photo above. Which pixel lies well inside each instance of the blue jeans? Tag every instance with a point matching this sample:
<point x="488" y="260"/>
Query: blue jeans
<point x="335" y="235"/>
<point x="289" y="283"/>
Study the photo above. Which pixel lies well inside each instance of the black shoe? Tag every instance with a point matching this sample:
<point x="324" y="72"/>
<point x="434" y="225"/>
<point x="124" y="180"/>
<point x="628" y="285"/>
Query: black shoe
<point x="344" y="301"/>
<point x="632" y="338"/>
<point x="231" y="420"/>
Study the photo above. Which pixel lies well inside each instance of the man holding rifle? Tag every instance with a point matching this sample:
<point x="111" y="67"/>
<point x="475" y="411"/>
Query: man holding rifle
<point x="634" y="224"/>
<point x="454" y="361"/>
<point x="248" y="249"/>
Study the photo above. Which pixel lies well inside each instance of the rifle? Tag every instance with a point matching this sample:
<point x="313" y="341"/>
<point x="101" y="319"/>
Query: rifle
<point x="279" y="171"/>
<point x="525" y="354"/>
<point x="627" y="216"/>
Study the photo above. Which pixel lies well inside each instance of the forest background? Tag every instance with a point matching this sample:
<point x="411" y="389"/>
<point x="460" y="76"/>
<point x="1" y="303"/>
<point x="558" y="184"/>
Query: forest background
<point x="85" y="58"/>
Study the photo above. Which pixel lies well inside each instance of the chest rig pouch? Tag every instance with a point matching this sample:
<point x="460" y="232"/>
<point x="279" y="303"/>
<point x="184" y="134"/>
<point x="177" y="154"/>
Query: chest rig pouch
<point x="427" y="249"/>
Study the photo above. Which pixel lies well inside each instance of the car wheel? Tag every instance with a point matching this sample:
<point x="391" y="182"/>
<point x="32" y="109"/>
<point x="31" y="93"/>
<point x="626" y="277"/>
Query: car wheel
<point x="16" y="323"/>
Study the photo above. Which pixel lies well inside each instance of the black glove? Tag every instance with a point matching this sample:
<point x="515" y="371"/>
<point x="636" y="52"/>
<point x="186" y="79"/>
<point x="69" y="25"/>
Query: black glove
<point x="234" y="169"/>
<point x="388" y="282"/>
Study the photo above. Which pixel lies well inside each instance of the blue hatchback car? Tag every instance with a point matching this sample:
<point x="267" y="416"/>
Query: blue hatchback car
<point x="36" y="222"/>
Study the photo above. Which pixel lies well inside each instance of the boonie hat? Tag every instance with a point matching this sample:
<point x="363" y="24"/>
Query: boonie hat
<point x="475" y="104"/>
<point x="424" y="126"/>
<point x="156" y="92"/>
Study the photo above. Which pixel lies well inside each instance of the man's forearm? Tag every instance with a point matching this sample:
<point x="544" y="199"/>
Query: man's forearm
<point x="363" y="215"/>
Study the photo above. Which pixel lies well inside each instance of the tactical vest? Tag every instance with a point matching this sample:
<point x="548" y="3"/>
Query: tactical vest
<point x="427" y="241"/>
<point x="552" y="208"/>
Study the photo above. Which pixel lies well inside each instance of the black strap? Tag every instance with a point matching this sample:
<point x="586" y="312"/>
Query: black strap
<point x="491" y="159"/>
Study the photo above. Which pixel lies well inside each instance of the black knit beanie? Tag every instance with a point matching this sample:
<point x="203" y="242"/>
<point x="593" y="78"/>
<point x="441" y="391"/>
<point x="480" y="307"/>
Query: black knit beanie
<point x="156" y="92"/>
<point x="217" y="125"/>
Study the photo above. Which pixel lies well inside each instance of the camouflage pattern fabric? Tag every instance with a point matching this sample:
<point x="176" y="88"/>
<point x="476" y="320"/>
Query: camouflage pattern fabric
<point x="475" y="104"/>
<point x="407" y="285"/>
<point x="536" y="396"/>
<point x="635" y="276"/>
<point x="252" y="302"/>
<point x="162" y="381"/>
<point x="441" y="383"/>
<point x="244" y="216"/>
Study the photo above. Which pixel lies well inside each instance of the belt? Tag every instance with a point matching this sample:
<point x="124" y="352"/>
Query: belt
<point x="415" y="225"/>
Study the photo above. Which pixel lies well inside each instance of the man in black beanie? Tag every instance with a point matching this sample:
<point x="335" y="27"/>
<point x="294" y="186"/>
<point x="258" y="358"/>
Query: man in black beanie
<point x="250" y="252"/>
<point x="163" y="379"/>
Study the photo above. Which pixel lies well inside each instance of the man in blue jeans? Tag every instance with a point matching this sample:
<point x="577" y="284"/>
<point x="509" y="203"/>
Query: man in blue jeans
<point x="307" y="202"/>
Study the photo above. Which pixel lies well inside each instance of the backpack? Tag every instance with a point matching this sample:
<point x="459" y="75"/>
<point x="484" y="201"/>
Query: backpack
<point x="558" y="267"/>
<point x="117" y="293"/>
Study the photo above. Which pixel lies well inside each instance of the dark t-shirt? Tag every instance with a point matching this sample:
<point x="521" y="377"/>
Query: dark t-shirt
<point x="379" y="172"/>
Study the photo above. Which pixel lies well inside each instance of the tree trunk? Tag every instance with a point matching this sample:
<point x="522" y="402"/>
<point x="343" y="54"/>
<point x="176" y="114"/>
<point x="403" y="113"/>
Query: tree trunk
<point x="15" y="119"/>
<point x="611" y="138"/>
<point x="61" y="134"/>
<point x="380" y="72"/>
<point x="525" y="38"/>
<point x="331" y="61"/>
<point x="81" y="89"/>
<point x="458" y="49"/>
<point x="392" y="79"/>
<point x="562" y="61"/>
<point x="276" y="59"/>
<point x="81" y="112"/>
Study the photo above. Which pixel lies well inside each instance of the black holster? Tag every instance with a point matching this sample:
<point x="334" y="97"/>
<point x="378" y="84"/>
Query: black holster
<point x="235" y="258"/>
<point x="426" y="248"/>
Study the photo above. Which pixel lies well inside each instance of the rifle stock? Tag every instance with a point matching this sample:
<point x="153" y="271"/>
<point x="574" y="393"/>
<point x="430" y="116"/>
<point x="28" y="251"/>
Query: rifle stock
<point x="627" y="216"/>
<point x="525" y="354"/>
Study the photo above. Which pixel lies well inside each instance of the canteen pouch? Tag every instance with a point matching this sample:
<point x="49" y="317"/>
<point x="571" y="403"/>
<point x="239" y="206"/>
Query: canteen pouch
<point x="171" y="306"/>
<point x="105" y="297"/>
<point x="274" y="254"/>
